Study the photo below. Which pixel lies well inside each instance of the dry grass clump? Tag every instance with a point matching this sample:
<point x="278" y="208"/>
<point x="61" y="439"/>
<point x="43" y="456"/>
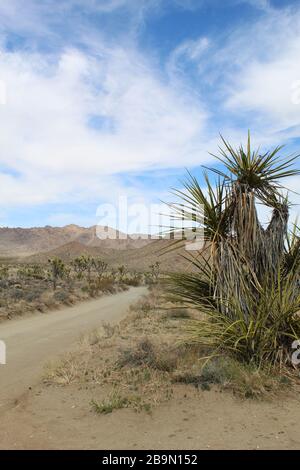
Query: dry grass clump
<point x="243" y="380"/>
<point x="147" y="353"/>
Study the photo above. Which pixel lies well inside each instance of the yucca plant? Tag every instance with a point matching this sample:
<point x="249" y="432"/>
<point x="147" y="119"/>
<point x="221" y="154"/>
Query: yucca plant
<point x="246" y="279"/>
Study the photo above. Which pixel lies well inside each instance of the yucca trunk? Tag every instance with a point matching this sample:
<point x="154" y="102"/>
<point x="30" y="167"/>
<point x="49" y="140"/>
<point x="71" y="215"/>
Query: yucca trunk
<point x="249" y="254"/>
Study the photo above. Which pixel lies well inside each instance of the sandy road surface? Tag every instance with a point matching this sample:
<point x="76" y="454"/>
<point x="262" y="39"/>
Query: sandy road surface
<point x="31" y="342"/>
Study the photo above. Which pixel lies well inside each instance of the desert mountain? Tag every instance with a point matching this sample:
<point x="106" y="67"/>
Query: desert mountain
<point x="20" y="242"/>
<point x="138" y="259"/>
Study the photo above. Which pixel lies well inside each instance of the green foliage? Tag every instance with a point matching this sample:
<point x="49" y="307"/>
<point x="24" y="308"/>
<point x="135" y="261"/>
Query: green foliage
<point x="155" y="271"/>
<point x="122" y="271"/>
<point x="244" y="380"/>
<point x="114" y="402"/>
<point x="62" y="296"/>
<point x="4" y="272"/>
<point x="35" y="271"/>
<point x="82" y="264"/>
<point x="246" y="280"/>
<point x="99" y="266"/>
<point x="57" y="270"/>
<point x="88" y="264"/>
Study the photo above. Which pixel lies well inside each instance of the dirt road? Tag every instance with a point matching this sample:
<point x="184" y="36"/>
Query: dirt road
<point x="31" y="342"/>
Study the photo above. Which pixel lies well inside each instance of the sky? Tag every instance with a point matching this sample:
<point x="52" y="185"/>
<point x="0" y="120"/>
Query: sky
<point x="102" y="99"/>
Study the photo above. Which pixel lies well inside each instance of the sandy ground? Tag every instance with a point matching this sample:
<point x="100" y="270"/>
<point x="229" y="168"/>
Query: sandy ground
<point x="36" y="416"/>
<point x="31" y="342"/>
<point x="60" y="418"/>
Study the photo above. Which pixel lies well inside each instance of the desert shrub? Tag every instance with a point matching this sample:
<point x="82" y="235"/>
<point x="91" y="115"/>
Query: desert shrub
<point x="40" y="307"/>
<point x="56" y="270"/>
<point x="3" y="284"/>
<point x="246" y="279"/>
<point x="99" y="266"/>
<point x="114" y="402"/>
<point x="143" y="305"/>
<point x="69" y="369"/>
<point x="109" y="329"/>
<point x="122" y="271"/>
<point x="61" y="296"/>
<point x="4" y="272"/>
<point x="141" y="354"/>
<point x="133" y="280"/>
<point x="244" y="380"/>
<point x="16" y="294"/>
<point x="36" y="272"/>
<point x="154" y="273"/>
<point x="84" y="264"/>
<point x="146" y="353"/>
<point x="31" y="272"/>
<point x="106" y="284"/>
<point x="33" y="295"/>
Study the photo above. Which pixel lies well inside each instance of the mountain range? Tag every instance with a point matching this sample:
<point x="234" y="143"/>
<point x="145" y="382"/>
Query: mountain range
<point x="38" y="244"/>
<point x="22" y="242"/>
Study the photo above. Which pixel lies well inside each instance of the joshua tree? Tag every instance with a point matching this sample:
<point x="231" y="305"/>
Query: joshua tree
<point x="68" y="275"/>
<point x="57" y="269"/>
<point x="100" y="267"/>
<point x="247" y="276"/>
<point x="83" y="263"/>
<point x="122" y="272"/>
<point x="78" y="266"/>
<point x="155" y="271"/>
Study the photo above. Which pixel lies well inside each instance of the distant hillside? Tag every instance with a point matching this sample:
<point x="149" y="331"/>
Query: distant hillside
<point x="21" y="242"/>
<point x="137" y="259"/>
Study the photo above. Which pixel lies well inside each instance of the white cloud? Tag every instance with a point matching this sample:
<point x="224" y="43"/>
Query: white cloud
<point x="149" y="121"/>
<point x="188" y="51"/>
<point x="252" y="75"/>
<point x="50" y="102"/>
<point x="268" y="78"/>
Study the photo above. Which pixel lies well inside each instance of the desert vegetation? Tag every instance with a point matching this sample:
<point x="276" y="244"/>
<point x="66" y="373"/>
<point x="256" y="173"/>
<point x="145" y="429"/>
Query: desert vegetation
<point x="246" y="283"/>
<point x="143" y="362"/>
<point x="45" y="286"/>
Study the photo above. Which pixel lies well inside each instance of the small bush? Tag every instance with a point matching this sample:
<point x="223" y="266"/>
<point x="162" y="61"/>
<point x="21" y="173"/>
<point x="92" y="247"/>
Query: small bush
<point x="142" y="305"/>
<point x="33" y="295"/>
<point x="246" y="381"/>
<point x="109" y="330"/>
<point x="16" y="294"/>
<point x="145" y="353"/>
<point x="114" y="402"/>
<point x="61" y="296"/>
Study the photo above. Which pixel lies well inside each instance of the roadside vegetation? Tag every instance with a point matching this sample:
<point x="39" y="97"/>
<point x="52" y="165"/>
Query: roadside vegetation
<point x="145" y="361"/>
<point x="27" y="288"/>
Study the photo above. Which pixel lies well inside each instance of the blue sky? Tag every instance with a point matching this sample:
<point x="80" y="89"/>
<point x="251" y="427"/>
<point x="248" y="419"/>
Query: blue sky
<point x="102" y="98"/>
